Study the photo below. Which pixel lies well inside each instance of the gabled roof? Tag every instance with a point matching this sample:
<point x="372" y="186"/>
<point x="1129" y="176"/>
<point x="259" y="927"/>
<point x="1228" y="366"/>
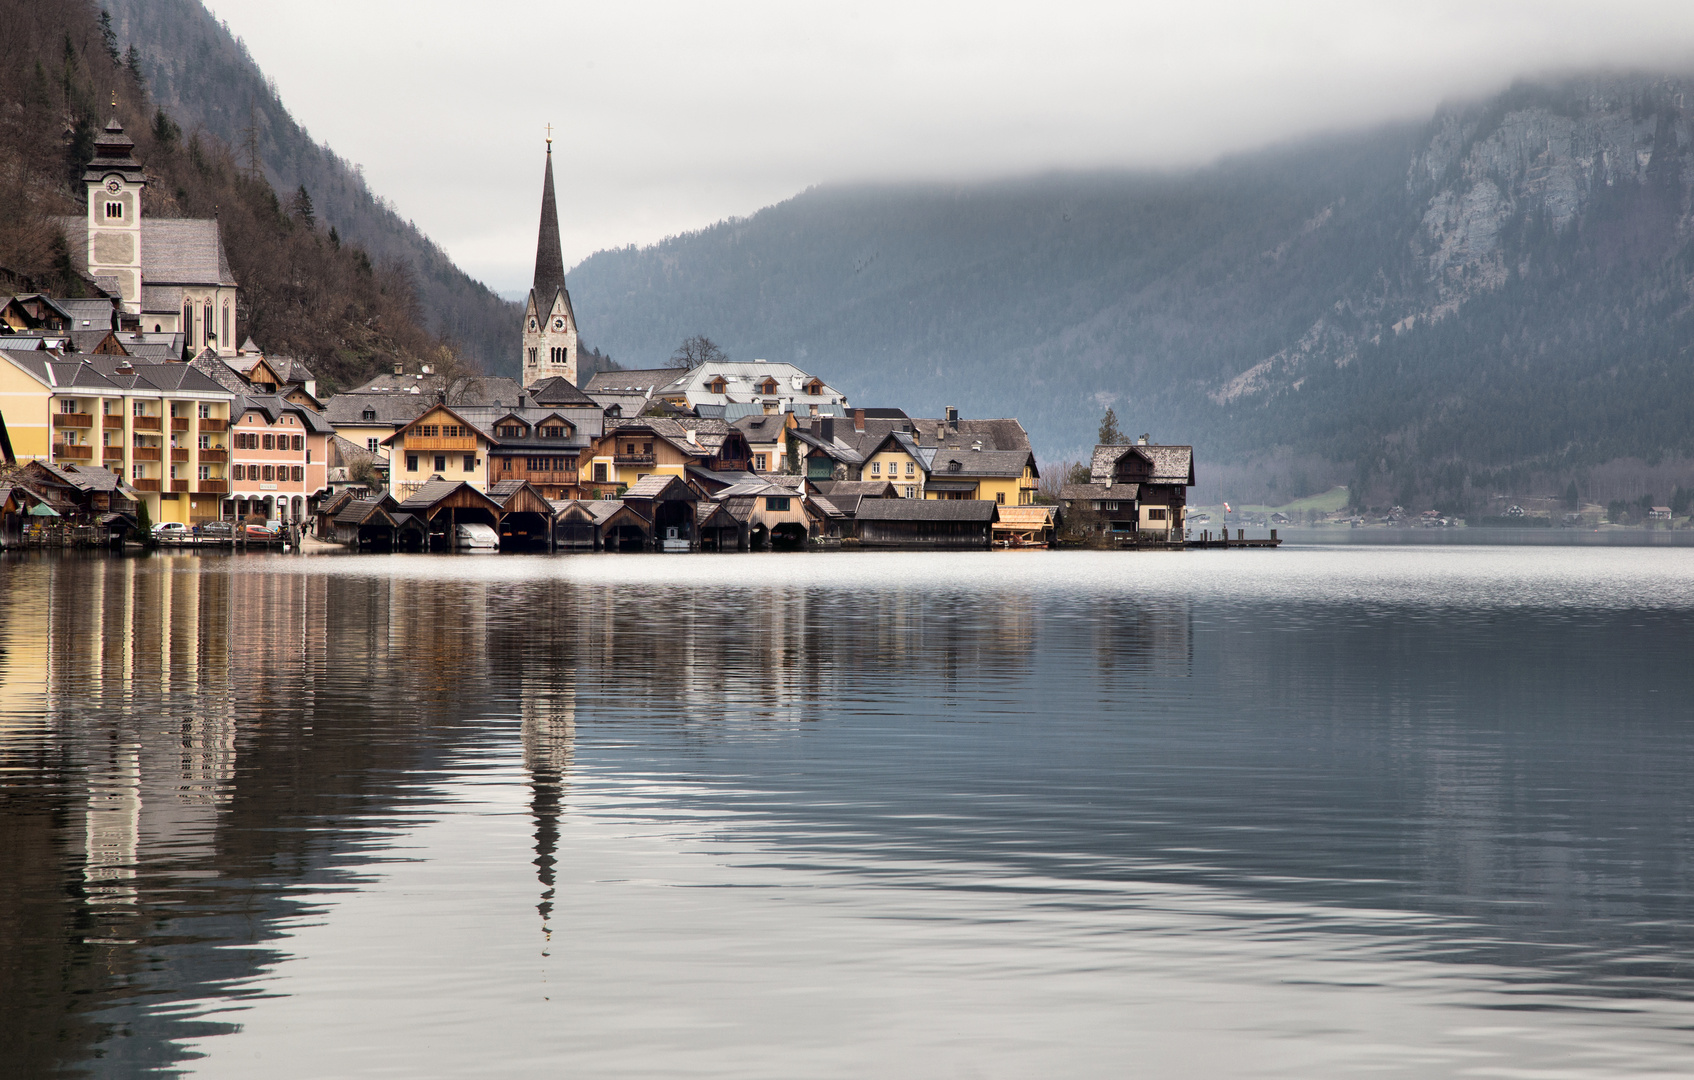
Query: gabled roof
<point x="559" y="390"/>
<point x="1113" y="492"/>
<point x="870" y="489"/>
<point x="661" y="486"/>
<point x="959" y="463"/>
<point x="1169" y="464"/>
<point x="436" y="491"/>
<point x="450" y="411"/>
<point x="643" y="381"/>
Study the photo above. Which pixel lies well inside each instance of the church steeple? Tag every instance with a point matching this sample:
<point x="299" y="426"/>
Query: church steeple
<point x="549" y="346"/>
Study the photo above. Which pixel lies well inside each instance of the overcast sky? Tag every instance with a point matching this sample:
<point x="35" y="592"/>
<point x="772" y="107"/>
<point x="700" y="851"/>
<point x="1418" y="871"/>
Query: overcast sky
<point x="669" y="116"/>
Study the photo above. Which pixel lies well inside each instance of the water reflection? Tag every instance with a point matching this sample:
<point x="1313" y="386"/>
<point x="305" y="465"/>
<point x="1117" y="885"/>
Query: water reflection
<point x="201" y="758"/>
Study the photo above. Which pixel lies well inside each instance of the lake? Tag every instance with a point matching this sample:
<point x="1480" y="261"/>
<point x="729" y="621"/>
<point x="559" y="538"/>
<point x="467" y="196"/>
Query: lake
<point x="1314" y="812"/>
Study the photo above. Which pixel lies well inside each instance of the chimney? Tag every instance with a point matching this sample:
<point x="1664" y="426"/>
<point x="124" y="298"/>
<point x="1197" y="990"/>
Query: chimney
<point x="826" y="429"/>
<point x="859" y="420"/>
<point x="520" y="401"/>
<point x="399" y="369"/>
<point x="1141" y="441"/>
<point x="953" y="417"/>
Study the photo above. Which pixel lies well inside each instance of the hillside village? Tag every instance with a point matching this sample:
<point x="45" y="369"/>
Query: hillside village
<point x="136" y="411"/>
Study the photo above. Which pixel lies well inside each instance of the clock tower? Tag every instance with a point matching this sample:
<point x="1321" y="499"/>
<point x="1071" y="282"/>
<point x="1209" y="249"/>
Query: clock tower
<point x="115" y="180"/>
<point x="549" y="325"/>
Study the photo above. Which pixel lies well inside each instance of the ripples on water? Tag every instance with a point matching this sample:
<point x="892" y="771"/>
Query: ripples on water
<point x="1303" y="813"/>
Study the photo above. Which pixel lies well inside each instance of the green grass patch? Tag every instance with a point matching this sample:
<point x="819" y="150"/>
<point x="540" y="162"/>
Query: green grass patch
<point x="1328" y="503"/>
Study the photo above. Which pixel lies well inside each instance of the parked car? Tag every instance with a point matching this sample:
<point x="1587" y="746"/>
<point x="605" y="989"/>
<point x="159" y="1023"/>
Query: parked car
<point x="259" y="532"/>
<point x="216" y="530"/>
<point x="170" y="530"/>
<point x="476" y="538"/>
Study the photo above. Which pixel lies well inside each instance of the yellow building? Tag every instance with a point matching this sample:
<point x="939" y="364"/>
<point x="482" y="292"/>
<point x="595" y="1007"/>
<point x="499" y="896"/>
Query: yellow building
<point x="899" y="460"/>
<point x="637" y="448"/>
<point x="1008" y="477"/>
<point x="439" y="443"/>
<point x="163" y="427"/>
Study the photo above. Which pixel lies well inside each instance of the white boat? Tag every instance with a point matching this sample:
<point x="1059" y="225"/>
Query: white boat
<point x="475" y="538"/>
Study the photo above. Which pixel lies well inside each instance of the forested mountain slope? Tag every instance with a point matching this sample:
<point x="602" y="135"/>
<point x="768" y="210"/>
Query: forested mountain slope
<point x="205" y="78"/>
<point x="303" y="292"/>
<point x="1500" y="297"/>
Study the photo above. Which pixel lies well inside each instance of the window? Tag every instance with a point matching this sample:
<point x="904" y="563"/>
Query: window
<point x="270" y="441"/>
<point x="776" y="502"/>
<point x="114" y="211"/>
<point x="368" y="414"/>
<point x="411" y="463"/>
<point x="137" y="472"/>
<point x="1000" y="497"/>
<point x="759" y="462"/>
<point x="1105" y="505"/>
<point x="206" y="330"/>
<point x="227" y="335"/>
<point x="308" y="457"/>
<point x="299" y="442"/>
<point x="599" y="472"/>
<point x="553" y="432"/>
<point x="269" y="474"/>
<point x="188" y="319"/>
<point x="372" y="443"/>
<point x="238" y="472"/>
<point x="205" y="411"/>
<point x="205" y="442"/>
<point x="1157" y="513"/>
<point x="510" y="431"/>
<point x="140" y="409"/>
<point x="470" y="462"/>
<point x="441" y="463"/>
<point x="65" y="406"/>
<point x="106" y="408"/>
<point x="876" y="468"/>
<point x="911" y="493"/>
<point x="533" y="352"/>
<point x="428" y="431"/>
<point x="205" y="472"/>
<point x="297" y="473"/>
<point x="910" y="467"/>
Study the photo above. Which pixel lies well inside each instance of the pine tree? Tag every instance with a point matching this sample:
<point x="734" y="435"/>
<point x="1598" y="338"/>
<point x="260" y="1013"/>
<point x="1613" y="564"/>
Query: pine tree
<point x="109" y="37"/>
<point x="132" y="61"/>
<point x="1109" y="433"/>
<point x="334" y="238"/>
<point x="302" y="208"/>
<point x="1572" y="499"/>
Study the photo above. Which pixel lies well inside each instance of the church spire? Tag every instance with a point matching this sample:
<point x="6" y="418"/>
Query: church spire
<point x="549" y="255"/>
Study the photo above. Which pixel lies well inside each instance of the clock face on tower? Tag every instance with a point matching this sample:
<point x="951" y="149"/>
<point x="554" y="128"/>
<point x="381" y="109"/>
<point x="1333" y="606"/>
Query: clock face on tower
<point x="558" y="324"/>
<point x="113" y="186"/>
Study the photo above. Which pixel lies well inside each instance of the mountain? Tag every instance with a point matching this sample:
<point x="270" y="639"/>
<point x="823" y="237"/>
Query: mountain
<point x="1497" y="299"/>
<point x="205" y="79"/>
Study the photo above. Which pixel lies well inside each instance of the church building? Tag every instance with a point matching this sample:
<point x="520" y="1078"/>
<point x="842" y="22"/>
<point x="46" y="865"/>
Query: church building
<point x="549" y="330"/>
<point x="171" y="273"/>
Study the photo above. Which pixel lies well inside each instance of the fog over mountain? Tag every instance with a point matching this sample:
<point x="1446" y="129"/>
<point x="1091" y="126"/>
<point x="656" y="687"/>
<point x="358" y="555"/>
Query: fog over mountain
<point x="1500" y="296"/>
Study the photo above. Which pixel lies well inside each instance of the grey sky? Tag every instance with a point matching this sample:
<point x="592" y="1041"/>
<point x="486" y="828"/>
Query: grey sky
<point x="671" y="115"/>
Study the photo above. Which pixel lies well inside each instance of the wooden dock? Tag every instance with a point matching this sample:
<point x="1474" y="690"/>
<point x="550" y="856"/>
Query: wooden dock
<point x="1221" y="539"/>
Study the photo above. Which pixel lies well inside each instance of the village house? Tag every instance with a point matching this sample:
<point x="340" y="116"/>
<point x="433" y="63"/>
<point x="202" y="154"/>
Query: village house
<point x="1137" y="491"/>
<point x="162" y="427"/>
<point x="279" y="458"/>
<point x="440" y="445"/>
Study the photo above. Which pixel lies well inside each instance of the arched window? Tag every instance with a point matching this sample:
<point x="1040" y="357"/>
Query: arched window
<point x="206" y="328"/>
<point x="227" y="336"/>
<point x="188" y="321"/>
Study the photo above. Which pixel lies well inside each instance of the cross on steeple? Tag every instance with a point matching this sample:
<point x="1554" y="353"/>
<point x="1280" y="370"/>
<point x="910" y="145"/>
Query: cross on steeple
<point x="549" y="137"/>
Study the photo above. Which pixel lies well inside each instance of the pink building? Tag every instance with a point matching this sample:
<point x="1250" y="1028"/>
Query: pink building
<point x="278" y="459"/>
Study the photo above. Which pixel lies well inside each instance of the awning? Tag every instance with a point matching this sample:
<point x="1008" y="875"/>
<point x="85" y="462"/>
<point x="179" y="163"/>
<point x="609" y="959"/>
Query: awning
<point x="42" y="510"/>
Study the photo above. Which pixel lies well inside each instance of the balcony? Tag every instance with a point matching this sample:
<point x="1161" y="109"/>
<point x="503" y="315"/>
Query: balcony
<point x="417" y="443"/>
<point x="213" y="455"/>
<point x="632" y="459"/>
<point x="146" y="423"/>
<point x="109" y="422"/>
<point x="213" y="487"/>
<point x="179" y="454"/>
<point x="72" y="419"/>
<point x="144" y="485"/>
<point x="73" y="453"/>
<point x="179" y="423"/>
<point x="144" y="453"/>
<point x="209" y="424"/>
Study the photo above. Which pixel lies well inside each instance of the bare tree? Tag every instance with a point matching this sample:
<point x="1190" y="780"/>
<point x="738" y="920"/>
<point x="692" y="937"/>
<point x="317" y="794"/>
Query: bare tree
<point x="697" y="350"/>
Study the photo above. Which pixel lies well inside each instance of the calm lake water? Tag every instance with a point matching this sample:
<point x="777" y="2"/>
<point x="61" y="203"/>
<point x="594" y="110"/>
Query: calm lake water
<point x="1311" y="812"/>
